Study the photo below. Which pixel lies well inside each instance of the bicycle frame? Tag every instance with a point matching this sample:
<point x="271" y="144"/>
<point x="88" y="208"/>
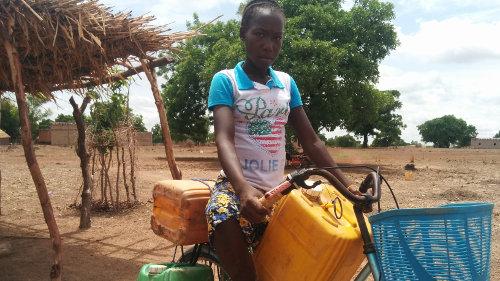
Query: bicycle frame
<point x="362" y="203"/>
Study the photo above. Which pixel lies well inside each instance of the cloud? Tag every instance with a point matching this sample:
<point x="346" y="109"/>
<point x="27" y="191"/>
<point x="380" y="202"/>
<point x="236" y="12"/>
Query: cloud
<point x="469" y="93"/>
<point x="452" y="40"/>
<point x="440" y="6"/>
<point x="175" y="13"/>
<point x="448" y="64"/>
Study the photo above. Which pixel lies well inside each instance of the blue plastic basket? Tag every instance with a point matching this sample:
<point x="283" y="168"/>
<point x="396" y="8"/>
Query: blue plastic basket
<point x="451" y="242"/>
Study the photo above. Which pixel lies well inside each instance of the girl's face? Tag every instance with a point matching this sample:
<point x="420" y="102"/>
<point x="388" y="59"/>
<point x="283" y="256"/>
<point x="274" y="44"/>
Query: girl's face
<point x="263" y="39"/>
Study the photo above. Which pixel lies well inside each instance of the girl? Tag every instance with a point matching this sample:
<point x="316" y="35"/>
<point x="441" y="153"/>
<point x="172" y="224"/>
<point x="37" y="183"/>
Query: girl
<point x="251" y="105"/>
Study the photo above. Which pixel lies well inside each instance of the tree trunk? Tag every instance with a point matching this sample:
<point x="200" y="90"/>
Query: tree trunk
<point x="131" y="151"/>
<point x="29" y="153"/>
<point x="0" y="192"/>
<point x="117" y="183"/>
<point x="125" y="175"/>
<point x="104" y="197"/>
<point x="108" y="180"/>
<point x="85" y="221"/>
<point x="365" y="140"/>
<point x="167" y="140"/>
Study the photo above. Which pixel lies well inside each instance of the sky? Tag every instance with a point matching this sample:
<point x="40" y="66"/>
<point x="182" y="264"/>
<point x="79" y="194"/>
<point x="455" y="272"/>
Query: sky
<point x="447" y="62"/>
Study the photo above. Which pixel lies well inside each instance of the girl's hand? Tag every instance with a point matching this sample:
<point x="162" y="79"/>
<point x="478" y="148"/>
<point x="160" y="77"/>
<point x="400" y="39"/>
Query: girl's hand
<point x="251" y="208"/>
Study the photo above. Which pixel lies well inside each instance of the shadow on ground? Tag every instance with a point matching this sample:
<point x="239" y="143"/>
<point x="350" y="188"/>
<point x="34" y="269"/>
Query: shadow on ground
<point x="25" y="255"/>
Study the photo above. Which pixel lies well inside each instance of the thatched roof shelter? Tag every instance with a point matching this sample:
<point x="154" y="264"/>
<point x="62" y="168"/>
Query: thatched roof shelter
<point x="49" y="45"/>
<point x="4" y="137"/>
<point x="73" y="43"/>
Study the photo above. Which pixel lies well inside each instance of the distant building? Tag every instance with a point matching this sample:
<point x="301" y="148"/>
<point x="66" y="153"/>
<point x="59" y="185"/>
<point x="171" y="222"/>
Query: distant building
<point x="485" y="143"/>
<point x="144" y="138"/>
<point x="63" y="134"/>
<point x="43" y="136"/>
<point x="4" y="138"/>
<point x="66" y="134"/>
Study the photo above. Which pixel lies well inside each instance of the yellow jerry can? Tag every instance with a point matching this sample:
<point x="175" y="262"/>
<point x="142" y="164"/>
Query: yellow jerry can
<point x="179" y="211"/>
<point x="312" y="238"/>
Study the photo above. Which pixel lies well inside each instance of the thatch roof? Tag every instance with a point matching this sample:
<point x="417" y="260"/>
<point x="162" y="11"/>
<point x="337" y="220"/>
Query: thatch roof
<point x="64" y="44"/>
<point x="3" y="135"/>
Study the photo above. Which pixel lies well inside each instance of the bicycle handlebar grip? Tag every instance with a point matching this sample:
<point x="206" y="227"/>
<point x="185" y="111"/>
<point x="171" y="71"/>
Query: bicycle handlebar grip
<point x="268" y="202"/>
<point x="273" y="195"/>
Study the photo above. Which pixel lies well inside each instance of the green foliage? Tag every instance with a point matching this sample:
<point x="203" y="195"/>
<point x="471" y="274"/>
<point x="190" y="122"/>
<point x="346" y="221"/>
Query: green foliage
<point x="327" y="50"/>
<point x="416" y="143"/>
<point x="10" y="119"/>
<point x="497" y="135"/>
<point x="186" y="92"/>
<point x="65" y="118"/>
<point x="362" y="120"/>
<point x="37" y="116"/>
<point x="389" y="124"/>
<point x="373" y="113"/>
<point x="157" y="135"/>
<point x="109" y="112"/>
<point x="384" y="142"/>
<point x="36" y="113"/>
<point x="343" y="141"/>
<point x="45" y="124"/>
<point x="138" y="123"/>
<point x="330" y="51"/>
<point x="447" y="130"/>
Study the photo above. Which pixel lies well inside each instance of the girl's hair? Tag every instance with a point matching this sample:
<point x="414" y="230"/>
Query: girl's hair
<point x="252" y="9"/>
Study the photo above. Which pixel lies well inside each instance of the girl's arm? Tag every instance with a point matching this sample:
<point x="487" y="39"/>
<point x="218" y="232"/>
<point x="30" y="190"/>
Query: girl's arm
<point x="312" y="145"/>
<point x="250" y="208"/>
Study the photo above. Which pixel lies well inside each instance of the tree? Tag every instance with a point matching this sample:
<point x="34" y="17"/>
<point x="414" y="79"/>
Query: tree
<point x="10" y="119"/>
<point x="65" y="118"/>
<point x="447" y="130"/>
<point x="497" y="135"/>
<point x="157" y="136"/>
<point x="363" y="118"/>
<point x="389" y="124"/>
<point x="84" y="155"/>
<point x="327" y="50"/>
<point x="373" y="113"/>
<point x="45" y="124"/>
<point x="37" y="113"/>
<point x="330" y="51"/>
<point x="343" y="141"/>
<point x="185" y="94"/>
<point x="108" y="114"/>
<point x="138" y="123"/>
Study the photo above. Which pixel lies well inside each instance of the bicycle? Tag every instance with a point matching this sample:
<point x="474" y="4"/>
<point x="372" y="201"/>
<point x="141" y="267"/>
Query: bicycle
<point x="298" y="179"/>
<point x="369" y="194"/>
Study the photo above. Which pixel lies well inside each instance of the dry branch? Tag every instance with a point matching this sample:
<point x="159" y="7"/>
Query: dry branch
<point x="74" y="44"/>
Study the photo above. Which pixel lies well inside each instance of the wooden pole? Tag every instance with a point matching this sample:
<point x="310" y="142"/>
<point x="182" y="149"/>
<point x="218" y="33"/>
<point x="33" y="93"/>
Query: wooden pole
<point x="85" y="221"/>
<point x="0" y="192"/>
<point x="29" y="152"/>
<point x="167" y="140"/>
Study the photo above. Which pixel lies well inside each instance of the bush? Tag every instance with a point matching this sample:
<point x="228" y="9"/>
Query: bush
<point x="343" y="141"/>
<point x="416" y="144"/>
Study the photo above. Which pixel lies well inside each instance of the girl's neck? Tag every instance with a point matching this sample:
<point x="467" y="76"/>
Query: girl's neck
<point x="256" y="74"/>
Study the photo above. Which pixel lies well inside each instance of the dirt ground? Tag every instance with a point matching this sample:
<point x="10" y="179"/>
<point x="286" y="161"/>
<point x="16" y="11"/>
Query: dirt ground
<point x="118" y="244"/>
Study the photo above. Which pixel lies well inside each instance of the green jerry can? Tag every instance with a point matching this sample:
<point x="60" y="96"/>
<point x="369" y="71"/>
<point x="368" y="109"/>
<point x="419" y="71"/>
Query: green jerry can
<point x="175" y="272"/>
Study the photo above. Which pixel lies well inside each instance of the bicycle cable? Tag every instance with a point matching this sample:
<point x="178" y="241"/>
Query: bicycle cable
<point x="372" y="169"/>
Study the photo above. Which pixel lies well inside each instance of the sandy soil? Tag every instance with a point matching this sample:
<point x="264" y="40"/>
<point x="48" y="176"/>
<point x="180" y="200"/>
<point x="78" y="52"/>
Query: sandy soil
<point x="118" y="244"/>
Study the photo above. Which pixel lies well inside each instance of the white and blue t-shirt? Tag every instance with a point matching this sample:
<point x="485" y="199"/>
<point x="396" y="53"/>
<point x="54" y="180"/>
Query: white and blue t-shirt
<point x="260" y="114"/>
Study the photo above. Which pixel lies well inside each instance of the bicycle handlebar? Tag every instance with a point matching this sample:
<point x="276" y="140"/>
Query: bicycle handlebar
<point x="297" y="179"/>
